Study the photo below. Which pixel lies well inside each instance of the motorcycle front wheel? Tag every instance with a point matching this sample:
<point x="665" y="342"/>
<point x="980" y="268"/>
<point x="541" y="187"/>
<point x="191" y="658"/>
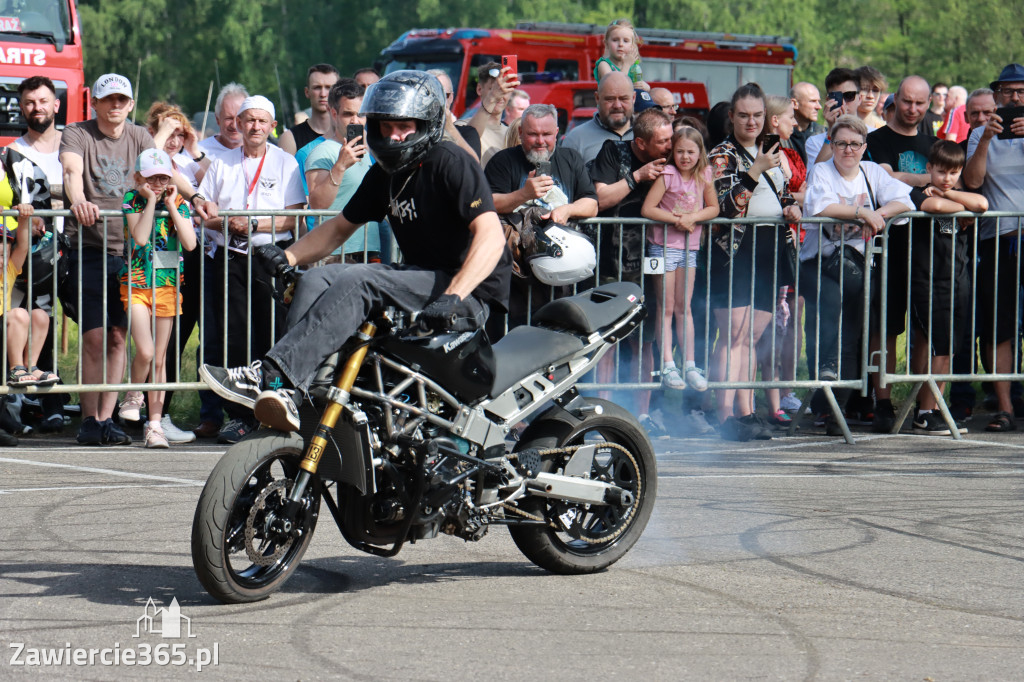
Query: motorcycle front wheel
<point x="577" y="538"/>
<point x="240" y="551"/>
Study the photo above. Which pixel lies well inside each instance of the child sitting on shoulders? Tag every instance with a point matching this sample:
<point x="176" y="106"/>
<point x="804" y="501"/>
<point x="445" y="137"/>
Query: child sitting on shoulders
<point x="621" y="53"/>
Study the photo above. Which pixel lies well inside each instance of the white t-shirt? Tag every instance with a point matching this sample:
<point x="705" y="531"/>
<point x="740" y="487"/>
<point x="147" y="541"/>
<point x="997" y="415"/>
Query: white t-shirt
<point x="50" y="163"/>
<point x="829" y="187"/>
<point x="187" y="167"/>
<point x="764" y="202"/>
<point x="278" y="186"/>
<point x="1003" y="185"/>
<point x="815" y="143"/>
<point x="213" y="147"/>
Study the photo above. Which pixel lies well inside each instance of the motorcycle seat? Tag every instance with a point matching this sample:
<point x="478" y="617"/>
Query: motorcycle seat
<point x="525" y="350"/>
<point x="591" y="310"/>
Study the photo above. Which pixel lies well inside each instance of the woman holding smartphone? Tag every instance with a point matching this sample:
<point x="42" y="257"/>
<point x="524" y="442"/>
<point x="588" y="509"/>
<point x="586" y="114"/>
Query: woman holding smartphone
<point x="743" y="278"/>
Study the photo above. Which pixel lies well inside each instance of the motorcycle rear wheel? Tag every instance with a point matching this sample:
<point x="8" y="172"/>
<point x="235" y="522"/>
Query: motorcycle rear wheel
<point x="237" y="557"/>
<point x="551" y="547"/>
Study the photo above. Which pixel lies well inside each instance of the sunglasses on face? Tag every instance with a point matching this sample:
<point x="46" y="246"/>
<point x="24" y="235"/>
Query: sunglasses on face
<point x="850" y="95"/>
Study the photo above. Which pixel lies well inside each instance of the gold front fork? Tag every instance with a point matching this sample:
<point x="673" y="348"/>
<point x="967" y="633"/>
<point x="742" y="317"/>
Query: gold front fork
<point x="338" y="399"/>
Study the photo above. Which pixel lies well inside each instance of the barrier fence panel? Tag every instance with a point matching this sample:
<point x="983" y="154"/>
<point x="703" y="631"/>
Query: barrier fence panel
<point x="959" y="283"/>
<point x="768" y="309"/>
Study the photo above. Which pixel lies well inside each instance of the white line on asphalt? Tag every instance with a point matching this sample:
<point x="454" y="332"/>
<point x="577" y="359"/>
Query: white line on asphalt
<point x="94" y="470"/>
<point x="889" y="474"/>
<point x="100" y="487"/>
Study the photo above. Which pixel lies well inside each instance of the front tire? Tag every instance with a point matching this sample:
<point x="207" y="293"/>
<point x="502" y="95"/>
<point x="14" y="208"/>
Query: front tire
<point x="605" y="533"/>
<point x="237" y="556"/>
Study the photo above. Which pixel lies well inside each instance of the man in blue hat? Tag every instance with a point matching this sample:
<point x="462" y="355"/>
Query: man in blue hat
<point x="995" y="167"/>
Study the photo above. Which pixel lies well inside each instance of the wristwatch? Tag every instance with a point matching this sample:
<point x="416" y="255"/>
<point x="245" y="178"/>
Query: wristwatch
<point x="195" y="196"/>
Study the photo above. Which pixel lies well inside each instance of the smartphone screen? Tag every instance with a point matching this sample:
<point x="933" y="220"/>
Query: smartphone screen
<point x="836" y="97"/>
<point x="512" y="62"/>
<point x="352" y="131"/>
<point x="770" y="140"/>
<point x="1008" y="114"/>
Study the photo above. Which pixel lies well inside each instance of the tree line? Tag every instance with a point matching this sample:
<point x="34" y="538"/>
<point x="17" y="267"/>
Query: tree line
<point x="176" y="48"/>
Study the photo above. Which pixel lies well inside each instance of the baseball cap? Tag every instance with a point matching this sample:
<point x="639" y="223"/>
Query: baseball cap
<point x="112" y="84"/>
<point x="642" y="102"/>
<point x="890" y="101"/>
<point x="1011" y="73"/>
<point x="153" y="162"/>
<point x="257" y="102"/>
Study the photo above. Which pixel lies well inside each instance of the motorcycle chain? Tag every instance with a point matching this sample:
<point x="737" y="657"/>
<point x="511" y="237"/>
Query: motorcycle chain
<point x="252" y="552"/>
<point x="623" y="525"/>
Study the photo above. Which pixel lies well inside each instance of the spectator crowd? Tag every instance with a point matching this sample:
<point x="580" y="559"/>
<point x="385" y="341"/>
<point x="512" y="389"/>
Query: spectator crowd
<point x="810" y="183"/>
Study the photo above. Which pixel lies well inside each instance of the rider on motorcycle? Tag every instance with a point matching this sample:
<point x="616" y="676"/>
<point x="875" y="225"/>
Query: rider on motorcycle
<point x="440" y="208"/>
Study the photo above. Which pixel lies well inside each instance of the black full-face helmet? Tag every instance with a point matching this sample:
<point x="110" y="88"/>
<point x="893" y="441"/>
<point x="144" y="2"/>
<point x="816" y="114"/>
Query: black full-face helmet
<point x="400" y="96"/>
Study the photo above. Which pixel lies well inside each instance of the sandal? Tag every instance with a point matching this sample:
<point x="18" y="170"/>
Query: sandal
<point x="1001" y="422"/>
<point x="20" y="376"/>
<point x="44" y="377"/>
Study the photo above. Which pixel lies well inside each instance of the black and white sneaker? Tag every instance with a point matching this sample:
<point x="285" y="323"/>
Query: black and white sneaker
<point x="240" y="385"/>
<point x="932" y="424"/>
<point x="277" y="410"/>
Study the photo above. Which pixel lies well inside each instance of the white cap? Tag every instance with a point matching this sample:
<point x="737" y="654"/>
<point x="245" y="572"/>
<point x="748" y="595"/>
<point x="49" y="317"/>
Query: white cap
<point x="153" y="162"/>
<point x="257" y="102"/>
<point x="112" y="84"/>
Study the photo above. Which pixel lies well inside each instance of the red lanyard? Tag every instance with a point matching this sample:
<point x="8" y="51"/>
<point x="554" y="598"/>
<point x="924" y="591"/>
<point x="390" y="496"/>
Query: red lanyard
<point x="252" y="185"/>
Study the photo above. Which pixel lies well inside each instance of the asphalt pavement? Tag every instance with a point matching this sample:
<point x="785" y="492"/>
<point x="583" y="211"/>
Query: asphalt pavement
<point x="898" y="558"/>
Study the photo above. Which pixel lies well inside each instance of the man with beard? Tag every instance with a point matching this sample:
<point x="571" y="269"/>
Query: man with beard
<point x="613" y="120"/>
<point x="536" y="173"/>
<point x="39" y="105"/>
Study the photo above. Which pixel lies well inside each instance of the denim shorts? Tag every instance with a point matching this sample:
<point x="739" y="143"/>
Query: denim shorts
<point x="674" y="258"/>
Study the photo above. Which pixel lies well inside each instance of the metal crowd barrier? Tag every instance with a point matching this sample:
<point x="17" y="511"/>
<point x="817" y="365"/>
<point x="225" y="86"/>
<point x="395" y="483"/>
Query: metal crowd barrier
<point x="628" y="368"/>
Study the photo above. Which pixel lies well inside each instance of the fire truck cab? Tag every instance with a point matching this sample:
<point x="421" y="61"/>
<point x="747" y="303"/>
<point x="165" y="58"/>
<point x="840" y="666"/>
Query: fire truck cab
<point x="554" y="52"/>
<point x="40" y="38"/>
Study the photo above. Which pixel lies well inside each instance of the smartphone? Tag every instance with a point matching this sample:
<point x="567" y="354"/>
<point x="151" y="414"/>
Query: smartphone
<point x="544" y="168"/>
<point x="512" y="62"/>
<point x="1008" y="114"/>
<point x="352" y="131"/>
<point x="837" y="97"/>
<point x="770" y="140"/>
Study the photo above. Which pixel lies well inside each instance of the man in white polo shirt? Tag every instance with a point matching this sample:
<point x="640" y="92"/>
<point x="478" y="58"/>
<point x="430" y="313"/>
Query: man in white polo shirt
<point x="256" y="176"/>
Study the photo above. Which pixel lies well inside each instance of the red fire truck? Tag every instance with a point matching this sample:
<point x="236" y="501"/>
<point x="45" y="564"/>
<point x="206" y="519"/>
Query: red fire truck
<point x="553" y="52"/>
<point x="40" y="38"/>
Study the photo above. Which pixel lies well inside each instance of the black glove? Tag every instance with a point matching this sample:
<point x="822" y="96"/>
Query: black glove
<point x="439" y="313"/>
<point x="273" y="259"/>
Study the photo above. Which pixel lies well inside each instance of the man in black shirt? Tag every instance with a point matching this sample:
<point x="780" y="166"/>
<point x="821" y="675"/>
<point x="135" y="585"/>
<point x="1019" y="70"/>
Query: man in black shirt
<point x="903" y="151"/>
<point x="440" y="208"/>
<point x="319" y="80"/>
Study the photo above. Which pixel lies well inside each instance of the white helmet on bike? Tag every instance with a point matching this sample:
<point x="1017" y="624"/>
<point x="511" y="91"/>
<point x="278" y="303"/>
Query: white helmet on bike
<point x="563" y="256"/>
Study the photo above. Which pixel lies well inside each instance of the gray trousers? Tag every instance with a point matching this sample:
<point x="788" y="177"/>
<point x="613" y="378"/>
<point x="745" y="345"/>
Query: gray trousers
<point x="332" y="301"/>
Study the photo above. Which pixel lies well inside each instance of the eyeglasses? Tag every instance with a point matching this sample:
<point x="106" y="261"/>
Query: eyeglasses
<point x="669" y="108"/>
<point x="850" y="95"/>
<point x="1013" y="92"/>
<point x="852" y="146"/>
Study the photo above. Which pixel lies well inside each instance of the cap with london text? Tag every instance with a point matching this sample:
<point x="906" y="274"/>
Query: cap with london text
<point x="112" y="84"/>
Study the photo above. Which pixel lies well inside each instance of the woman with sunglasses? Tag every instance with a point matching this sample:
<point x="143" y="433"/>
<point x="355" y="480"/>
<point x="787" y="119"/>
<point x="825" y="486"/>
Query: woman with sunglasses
<point x="832" y="262"/>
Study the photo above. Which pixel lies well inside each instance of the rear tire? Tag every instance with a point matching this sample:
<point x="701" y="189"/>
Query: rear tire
<point x="551" y="547"/>
<point x="235" y="556"/>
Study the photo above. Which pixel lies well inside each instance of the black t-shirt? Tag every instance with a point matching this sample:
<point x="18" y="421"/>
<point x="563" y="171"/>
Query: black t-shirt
<point x="903" y="153"/>
<point x="615" y="161"/>
<point x="430" y="208"/>
<point x="928" y="123"/>
<point x="508" y="170"/>
<point x="924" y="226"/>
<point x="471" y="136"/>
<point x="303" y="134"/>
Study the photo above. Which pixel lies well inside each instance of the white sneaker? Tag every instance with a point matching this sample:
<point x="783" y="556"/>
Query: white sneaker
<point x="131" y="407"/>
<point x="155" y="437"/>
<point x="789" y="402"/>
<point x="697" y="424"/>
<point x="695" y="379"/>
<point x="173" y="433"/>
<point x="671" y="378"/>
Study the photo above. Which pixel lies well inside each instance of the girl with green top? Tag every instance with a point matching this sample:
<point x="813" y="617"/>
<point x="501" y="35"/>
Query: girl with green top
<point x="621" y="53"/>
<point x="151" y="277"/>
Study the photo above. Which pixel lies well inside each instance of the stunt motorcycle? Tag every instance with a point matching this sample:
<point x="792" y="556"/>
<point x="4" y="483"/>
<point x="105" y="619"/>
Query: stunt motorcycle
<point x="407" y="436"/>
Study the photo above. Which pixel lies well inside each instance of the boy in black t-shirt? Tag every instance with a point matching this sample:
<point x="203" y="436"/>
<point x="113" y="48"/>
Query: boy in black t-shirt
<point x="940" y="276"/>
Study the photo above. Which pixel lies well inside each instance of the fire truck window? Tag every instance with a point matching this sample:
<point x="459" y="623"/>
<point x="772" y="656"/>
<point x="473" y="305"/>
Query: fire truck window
<point x="569" y="68"/>
<point x="657" y="69"/>
<point x="527" y="67"/>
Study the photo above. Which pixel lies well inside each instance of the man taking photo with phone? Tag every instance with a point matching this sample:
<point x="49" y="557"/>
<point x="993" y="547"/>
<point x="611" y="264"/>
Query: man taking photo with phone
<point x="337" y="166"/>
